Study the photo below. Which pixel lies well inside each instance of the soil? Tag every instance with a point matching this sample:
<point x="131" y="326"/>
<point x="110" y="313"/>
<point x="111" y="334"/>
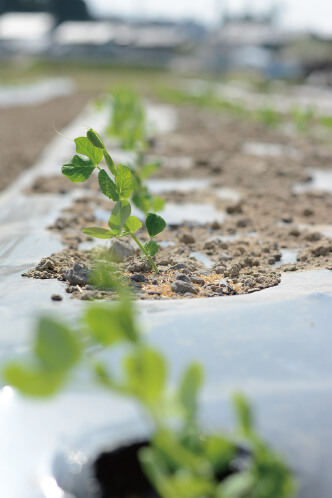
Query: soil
<point x="246" y="250"/>
<point x="24" y="131"/>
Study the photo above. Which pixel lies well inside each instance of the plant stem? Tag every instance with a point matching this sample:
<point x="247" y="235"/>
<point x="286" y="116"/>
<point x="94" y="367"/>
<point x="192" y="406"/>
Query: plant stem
<point x="145" y="251"/>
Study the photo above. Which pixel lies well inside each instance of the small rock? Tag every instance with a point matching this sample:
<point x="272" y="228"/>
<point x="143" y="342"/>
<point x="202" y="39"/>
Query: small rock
<point x="139" y="277"/>
<point x="198" y="280"/>
<point x="215" y="225"/>
<point x="307" y="212"/>
<point x="244" y="222"/>
<point x="290" y="267"/>
<point x="220" y="269"/>
<point x="287" y="218"/>
<point x="183" y="277"/>
<point x="313" y="237"/>
<point x="187" y="238"/>
<point x="294" y="232"/>
<point x="139" y="266"/>
<point x="321" y="249"/>
<point x="179" y="266"/>
<point x="234" y="270"/>
<point x="224" y="256"/>
<point x="121" y="250"/>
<point x="235" y="208"/>
<point x="56" y="297"/>
<point x="182" y="287"/>
<point x="45" y="264"/>
<point x="209" y="245"/>
<point x="78" y="275"/>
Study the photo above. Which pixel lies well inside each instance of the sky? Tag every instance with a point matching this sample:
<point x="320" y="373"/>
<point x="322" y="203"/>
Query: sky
<point x="296" y="14"/>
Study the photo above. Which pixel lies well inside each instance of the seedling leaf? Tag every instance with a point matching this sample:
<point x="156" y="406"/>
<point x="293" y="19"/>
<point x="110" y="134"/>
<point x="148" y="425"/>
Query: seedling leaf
<point x="124" y="181"/>
<point x="84" y="146"/>
<point x="151" y="247"/>
<point x="33" y="382"/>
<point x="110" y="163"/>
<point x="99" y="233"/>
<point x="243" y="413"/>
<point x="154" y="224"/>
<point x="107" y="186"/>
<point x="119" y="216"/>
<point x="111" y="325"/>
<point x="189" y="388"/>
<point x="78" y="169"/>
<point x="56" y="347"/>
<point x="146" y="374"/>
<point x="133" y="224"/>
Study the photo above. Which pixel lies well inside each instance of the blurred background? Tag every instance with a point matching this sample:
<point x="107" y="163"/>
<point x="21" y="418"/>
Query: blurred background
<point x="278" y="39"/>
<point x="56" y="55"/>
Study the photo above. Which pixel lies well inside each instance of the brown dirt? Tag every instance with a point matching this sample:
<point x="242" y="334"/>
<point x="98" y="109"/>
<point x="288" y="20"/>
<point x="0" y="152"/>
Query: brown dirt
<point x="25" y="130"/>
<point x="246" y="249"/>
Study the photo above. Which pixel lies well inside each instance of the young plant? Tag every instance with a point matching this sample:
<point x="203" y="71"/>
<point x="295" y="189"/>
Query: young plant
<point x="90" y="151"/>
<point x="128" y="122"/>
<point x="181" y="461"/>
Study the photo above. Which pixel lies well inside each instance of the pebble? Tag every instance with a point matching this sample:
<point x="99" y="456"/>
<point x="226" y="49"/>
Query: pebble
<point x="56" y="297"/>
<point x="139" y="277"/>
<point x="179" y="266"/>
<point x="78" y="275"/>
<point x="182" y="287"/>
<point x="187" y="238"/>
<point x="183" y="277"/>
<point x="121" y="250"/>
<point x="45" y="264"/>
<point x="198" y="280"/>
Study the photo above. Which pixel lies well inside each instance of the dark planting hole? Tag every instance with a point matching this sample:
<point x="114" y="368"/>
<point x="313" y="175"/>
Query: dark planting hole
<point x="119" y="473"/>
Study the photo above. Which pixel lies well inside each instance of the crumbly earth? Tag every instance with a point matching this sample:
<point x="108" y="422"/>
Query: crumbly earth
<point x="24" y="131"/>
<point x="246" y="251"/>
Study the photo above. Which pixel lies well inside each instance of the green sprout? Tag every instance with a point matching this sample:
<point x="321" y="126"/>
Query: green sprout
<point x="181" y="460"/>
<point x="90" y="151"/>
<point x="128" y="122"/>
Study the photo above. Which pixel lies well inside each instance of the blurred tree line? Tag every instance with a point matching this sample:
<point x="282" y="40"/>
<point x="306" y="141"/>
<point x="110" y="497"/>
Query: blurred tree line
<point x="63" y="10"/>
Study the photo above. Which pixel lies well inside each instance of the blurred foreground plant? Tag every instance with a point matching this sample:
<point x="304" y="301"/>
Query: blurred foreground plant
<point x="181" y="460"/>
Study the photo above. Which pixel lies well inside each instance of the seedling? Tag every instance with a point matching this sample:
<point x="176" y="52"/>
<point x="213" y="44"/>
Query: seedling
<point x="90" y="151"/>
<point x="128" y="122"/>
<point x="181" y="460"/>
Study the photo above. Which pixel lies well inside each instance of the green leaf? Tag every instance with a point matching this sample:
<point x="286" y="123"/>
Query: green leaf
<point x="99" y="233"/>
<point x="85" y="147"/>
<point x="154" y="224"/>
<point x="119" y="216"/>
<point x="146" y="374"/>
<point x="111" y="325"/>
<point x="219" y="451"/>
<point x="148" y="169"/>
<point x="124" y="181"/>
<point x="243" y="412"/>
<point x="237" y="486"/>
<point x="33" y="382"/>
<point x="188" y="485"/>
<point x="189" y="387"/>
<point x="110" y="163"/>
<point x="156" y="471"/>
<point x="133" y="224"/>
<point x="158" y="203"/>
<point x="169" y="445"/>
<point x="56" y="346"/>
<point x="152" y="247"/>
<point x="78" y="169"/>
<point x="107" y="185"/>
